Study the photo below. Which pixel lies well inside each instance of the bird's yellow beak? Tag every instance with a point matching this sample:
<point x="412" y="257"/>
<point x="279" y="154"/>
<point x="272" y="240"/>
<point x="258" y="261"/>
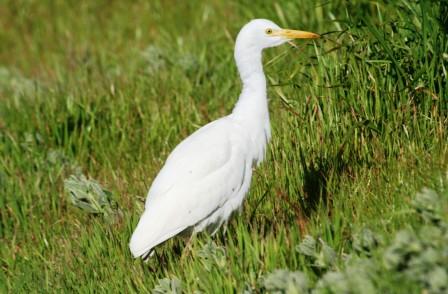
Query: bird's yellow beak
<point x="294" y="34"/>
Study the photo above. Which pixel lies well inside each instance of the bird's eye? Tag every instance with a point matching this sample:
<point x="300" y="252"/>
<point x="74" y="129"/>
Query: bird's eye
<point x="268" y="31"/>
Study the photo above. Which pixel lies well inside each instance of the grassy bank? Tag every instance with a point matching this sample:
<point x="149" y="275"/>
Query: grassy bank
<point x="108" y="88"/>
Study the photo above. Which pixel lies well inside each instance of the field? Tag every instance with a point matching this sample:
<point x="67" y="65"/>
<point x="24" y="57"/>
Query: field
<point x="352" y="197"/>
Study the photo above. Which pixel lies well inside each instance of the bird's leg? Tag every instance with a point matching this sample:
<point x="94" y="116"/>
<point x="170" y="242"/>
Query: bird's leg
<point x="148" y="255"/>
<point x="188" y="248"/>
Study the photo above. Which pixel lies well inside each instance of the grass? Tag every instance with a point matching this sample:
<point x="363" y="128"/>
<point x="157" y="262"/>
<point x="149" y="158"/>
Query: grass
<point x="108" y="89"/>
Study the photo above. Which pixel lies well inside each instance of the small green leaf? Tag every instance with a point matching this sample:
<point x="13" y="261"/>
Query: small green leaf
<point x="335" y="282"/>
<point x="168" y="286"/>
<point x="308" y="246"/>
<point x="438" y="280"/>
<point x="212" y="255"/>
<point x="284" y="281"/>
<point x="326" y="257"/>
<point x="427" y="204"/>
<point x="365" y="241"/>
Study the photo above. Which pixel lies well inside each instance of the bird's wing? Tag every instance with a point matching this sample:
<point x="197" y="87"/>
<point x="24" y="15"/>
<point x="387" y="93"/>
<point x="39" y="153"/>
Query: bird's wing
<point x="198" y="177"/>
<point x="203" y="152"/>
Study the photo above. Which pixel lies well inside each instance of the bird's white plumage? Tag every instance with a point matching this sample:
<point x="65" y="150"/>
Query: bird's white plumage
<point x="188" y="191"/>
<point x="207" y="176"/>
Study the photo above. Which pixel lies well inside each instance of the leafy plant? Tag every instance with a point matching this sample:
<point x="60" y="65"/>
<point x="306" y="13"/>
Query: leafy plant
<point x="89" y="196"/>
<point x="284" y="281"/>
<point x="168" y="286"/>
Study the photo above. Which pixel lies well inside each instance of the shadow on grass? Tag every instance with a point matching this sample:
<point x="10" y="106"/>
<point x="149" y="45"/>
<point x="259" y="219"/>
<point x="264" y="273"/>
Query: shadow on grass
<point x="315" y="191"/>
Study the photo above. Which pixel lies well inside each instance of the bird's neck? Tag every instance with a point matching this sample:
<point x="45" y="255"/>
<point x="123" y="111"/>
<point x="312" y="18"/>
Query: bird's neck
<point x="251" y="110"/>
<point x="252" y="104"/>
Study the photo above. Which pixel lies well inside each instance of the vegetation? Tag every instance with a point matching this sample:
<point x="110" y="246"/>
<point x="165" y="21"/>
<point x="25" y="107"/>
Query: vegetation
<point x="95" y="94"/>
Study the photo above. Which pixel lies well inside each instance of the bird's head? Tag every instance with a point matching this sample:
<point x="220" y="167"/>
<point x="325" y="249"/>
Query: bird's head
<point x="263" y="33"/>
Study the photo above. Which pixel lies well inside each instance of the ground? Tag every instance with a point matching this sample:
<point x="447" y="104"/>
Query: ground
<point x="106" y="89"/>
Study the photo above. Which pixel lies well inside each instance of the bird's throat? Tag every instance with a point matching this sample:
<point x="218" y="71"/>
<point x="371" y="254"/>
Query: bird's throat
<point x="252" y="103"/>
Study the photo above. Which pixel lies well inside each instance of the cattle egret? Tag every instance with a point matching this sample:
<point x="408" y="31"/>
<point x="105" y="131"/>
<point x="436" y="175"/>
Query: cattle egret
<point x="207" y="175"/>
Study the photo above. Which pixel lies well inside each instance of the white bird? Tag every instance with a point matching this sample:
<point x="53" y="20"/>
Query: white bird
<point x="208" y="174"/>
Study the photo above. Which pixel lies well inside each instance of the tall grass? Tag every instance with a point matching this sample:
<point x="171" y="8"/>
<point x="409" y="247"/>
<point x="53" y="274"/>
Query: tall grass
<point x="108" y="89"/>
